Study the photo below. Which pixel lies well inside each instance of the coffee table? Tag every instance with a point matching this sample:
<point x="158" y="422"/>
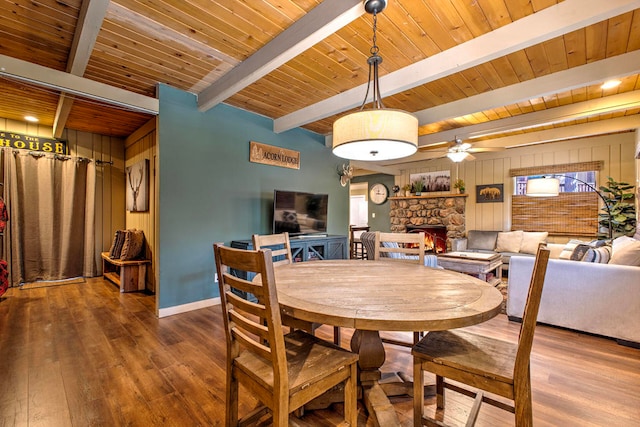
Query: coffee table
<point x="484" y="266"/>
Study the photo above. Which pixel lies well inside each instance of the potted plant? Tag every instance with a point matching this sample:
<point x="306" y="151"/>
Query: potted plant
<point x="459" y="185"/>
<point x="418" y="186"/>
<point x="622" y="212"/>
<point x="407" y="189"/>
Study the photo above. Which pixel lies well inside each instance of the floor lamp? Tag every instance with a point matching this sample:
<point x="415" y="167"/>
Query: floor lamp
<point x="550" y="187"/>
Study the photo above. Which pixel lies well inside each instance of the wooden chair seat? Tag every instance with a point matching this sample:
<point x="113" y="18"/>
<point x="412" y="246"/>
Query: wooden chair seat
<point x="305" y="354"/>
<point x="484" y="363"/>
<point x="487" y="358"/>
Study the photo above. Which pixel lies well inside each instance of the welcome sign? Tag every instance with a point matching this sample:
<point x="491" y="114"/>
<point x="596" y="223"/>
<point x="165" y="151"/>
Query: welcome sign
<point x="32" y="143"/>
<point x="275" y="156"/>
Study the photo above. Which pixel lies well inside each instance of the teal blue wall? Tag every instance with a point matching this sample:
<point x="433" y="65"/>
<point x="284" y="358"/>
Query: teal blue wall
<point x="382" y="221"/>
<point x="210" y="192"/>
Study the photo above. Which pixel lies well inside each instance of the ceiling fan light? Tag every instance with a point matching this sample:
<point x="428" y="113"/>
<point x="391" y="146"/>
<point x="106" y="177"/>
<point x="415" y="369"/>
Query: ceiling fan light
<point x="457" y="156"/>
<point x="375" y="135"/>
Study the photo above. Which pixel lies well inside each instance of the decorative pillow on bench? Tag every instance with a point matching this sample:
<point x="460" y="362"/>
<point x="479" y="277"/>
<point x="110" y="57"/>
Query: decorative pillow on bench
<point x="127" y="244"/>
<point x="132" y="246"/>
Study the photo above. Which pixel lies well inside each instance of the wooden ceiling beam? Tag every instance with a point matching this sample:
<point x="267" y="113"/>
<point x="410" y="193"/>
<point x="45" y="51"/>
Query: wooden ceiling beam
<point x="324" y="20"/>
<point x="536" y="28"/>
<point x="92" y="13"/>
<point x="76" y="85"/>
<point x="585" y="75"/>
<point x="582" y="130"/>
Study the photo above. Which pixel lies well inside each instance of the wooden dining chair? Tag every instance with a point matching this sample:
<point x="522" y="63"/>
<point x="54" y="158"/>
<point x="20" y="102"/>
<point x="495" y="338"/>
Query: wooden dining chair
<point x="282" y="371"/>
<point x="400" y="247"/>
<point x="280" y="246"/>
<point x="482" y="362"/>
<point x="406" y="247"/>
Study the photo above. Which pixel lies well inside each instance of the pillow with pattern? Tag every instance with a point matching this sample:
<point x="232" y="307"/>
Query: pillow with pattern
<point x="132" y="246"/>
<point x="600" y="255"/>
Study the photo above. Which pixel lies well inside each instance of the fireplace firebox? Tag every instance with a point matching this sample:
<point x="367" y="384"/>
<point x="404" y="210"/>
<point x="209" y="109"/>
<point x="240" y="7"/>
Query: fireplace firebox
<point x="435" y="237"/>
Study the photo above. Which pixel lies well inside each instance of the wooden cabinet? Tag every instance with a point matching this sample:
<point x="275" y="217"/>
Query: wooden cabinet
<point x="310" y="248"/>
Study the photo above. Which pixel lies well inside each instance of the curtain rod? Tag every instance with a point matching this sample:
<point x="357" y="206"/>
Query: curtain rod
<point x="64" y="157"/>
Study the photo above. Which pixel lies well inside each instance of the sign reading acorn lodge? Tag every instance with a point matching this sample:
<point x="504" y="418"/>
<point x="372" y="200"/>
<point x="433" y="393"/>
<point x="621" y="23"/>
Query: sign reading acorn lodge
<point x="33" y="143"/>
<point x="275" y="156"/>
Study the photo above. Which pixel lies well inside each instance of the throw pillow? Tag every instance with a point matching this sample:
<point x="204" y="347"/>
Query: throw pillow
<point x="132" y="246"/>
<point x="531" y="240"/>
<point x="569" y="248"/>
<point x="116" y="246"/>
<point x="509" y="241"/>
<point x="599" y="255"/>
<point x="621" y="241"/>
<point x="580" y="251"/>
<point x="628" y="254"/>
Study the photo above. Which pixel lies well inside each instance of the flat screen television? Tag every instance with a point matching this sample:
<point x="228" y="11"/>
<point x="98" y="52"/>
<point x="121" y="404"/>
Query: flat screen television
<point x="299" y="213"/>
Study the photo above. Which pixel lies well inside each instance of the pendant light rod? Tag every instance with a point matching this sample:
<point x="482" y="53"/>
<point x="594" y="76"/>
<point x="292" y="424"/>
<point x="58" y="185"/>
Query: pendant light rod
<point x="378" y="133"/>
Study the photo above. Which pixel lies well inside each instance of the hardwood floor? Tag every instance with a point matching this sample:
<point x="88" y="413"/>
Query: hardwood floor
<point x="84" y="354"/>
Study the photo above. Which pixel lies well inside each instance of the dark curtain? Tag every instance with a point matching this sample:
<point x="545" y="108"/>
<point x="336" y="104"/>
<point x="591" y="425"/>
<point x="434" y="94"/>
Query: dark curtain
<point x="51" y="202"/>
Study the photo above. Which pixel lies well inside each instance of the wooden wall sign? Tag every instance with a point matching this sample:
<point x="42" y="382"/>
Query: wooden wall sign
<point x="33" y="143"/>
<point x="274" y="156"/>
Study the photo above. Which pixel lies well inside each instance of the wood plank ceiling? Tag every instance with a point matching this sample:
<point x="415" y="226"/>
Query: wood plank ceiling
<point x="486" y="70"/>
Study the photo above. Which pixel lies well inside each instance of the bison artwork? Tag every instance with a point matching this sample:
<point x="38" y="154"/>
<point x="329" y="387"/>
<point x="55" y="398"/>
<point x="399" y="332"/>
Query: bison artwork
<point x="489" y="193"/>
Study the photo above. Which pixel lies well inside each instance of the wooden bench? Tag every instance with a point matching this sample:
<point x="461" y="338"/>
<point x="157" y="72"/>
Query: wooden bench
<point x="128" y="275"/>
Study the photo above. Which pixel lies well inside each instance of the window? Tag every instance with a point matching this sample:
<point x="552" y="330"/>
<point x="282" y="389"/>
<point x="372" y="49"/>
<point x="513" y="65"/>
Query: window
<point x="569" y="182"/>
<point x="573" y="213"/>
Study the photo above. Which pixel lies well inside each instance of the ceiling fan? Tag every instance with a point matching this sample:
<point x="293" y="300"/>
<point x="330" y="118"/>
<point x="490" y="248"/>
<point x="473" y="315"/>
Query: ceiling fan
<point x="458" y="151"/>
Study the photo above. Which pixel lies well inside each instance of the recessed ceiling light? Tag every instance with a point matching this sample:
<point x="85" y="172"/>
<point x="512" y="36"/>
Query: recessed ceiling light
<point x="610" y="84"/>
<point x="30" y="119"/>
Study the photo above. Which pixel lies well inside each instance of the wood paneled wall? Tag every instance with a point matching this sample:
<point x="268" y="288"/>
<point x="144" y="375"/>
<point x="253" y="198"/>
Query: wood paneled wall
<point x="110" y="200"/>
<point x="617" y="151"/>
<point x="139" y="146"/>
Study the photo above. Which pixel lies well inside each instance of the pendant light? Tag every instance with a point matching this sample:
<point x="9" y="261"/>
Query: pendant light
<point x="378" y="133"/>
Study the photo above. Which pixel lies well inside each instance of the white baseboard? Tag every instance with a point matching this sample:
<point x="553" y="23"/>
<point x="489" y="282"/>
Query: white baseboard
<point x="177" y="309"/>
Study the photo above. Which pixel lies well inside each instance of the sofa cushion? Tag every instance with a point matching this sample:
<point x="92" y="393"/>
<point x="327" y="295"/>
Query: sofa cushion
<point x="599" y="255"/>
<point x="509" y="241"/>
<point x="481" y="240"/>
<point x="626" y="254"/>
<point x="569" y="247"/>
<point x="531" y="240"/>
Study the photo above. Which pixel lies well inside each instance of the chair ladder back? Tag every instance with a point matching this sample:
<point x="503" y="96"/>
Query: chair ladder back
<point x="251" y="324"/>
<point x="279" y="244"/>
<point x="405" y="252"/>
<point x="530" y="316"/>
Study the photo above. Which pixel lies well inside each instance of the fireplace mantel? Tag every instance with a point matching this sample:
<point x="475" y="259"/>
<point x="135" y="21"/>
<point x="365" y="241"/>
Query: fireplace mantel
<point x="428" y="196"/>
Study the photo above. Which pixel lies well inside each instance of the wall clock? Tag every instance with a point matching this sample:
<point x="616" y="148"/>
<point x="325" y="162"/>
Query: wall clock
<point x="378" y="193"/>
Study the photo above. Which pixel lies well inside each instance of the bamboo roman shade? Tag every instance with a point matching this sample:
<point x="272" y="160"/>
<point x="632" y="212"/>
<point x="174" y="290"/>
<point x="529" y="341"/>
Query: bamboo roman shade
<point x="571" y="214"/>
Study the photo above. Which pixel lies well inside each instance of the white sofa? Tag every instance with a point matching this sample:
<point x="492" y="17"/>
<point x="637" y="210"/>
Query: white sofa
<point x="602" y="299"/>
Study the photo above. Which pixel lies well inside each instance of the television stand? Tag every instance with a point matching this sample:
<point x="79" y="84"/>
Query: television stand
<point x="310" y="247"/>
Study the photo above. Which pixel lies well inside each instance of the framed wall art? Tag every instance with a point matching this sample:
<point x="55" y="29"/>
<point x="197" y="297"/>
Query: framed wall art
<point x="138" y="186"/>
<point x="490" y="193"/>
<point x="432" y="181"/>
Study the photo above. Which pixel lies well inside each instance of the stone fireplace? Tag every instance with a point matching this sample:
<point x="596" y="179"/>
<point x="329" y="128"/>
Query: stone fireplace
<point x="441" y="215"/>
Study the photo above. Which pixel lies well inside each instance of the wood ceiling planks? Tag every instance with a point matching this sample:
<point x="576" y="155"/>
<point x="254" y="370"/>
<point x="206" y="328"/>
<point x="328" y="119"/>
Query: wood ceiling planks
<point x="190" y="44"/>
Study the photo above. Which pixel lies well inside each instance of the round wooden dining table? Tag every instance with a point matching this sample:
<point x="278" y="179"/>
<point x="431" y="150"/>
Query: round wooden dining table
<point x="373" y="296"/>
